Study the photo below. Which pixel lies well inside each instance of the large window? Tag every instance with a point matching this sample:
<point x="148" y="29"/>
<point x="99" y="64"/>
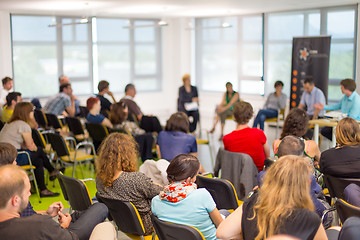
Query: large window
<point x="231" y="54"/>
<point x="34" y="56"/>
<point x="236" y="54"/>
<point x="101" y="49"/>
<point x="280" y="28"/>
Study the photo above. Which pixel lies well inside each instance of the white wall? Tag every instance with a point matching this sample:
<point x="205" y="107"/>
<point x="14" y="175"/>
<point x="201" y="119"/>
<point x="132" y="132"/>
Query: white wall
<point x="5" y="45"/>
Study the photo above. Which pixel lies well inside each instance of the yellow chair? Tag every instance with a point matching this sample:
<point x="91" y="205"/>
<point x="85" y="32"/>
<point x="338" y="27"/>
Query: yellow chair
<point x="221" y="190"/>
<point x="30" y="170"/>
<point x="280" y="116"/>
<point x="166" y="230"/>
<point x="126" y="217"/>
<point x="65" y="154"/>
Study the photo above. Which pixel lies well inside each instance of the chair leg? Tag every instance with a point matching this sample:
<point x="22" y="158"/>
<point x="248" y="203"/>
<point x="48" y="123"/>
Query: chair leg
<point x="73" y="175"/>
<point x="36" y="185"/>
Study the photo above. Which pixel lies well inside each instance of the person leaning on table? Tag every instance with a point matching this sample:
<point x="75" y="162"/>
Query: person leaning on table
<point x="349" y="104"/>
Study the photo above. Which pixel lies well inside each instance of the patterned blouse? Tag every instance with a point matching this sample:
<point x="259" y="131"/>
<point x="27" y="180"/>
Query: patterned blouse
<point x="133" y="187"/>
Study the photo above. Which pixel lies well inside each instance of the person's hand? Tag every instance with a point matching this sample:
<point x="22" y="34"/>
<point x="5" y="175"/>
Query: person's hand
<point x="64" y="219"/>
<point x="195" y="99"/>
<point x="110" y="93"/>
<point x="54" y="209"/>
<point x="319" y="106"/>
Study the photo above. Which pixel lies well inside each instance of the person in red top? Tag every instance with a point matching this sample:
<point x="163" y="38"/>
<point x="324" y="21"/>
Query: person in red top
<point x="247" y="140"/>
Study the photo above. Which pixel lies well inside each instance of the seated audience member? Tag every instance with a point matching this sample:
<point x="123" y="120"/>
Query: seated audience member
<point x="352" y="194"/>
<point x="119" y="116"/>
<point x="296" y="123"/>
<point x="8" y="155"/>
<point x="62" y="103"/>
<point x="344" y="159"/>
<point x="15" y="182"/>
<point x="7" y="84"/>
<point x="11" y="100"/>
<point x="225" y="109"/>
<point x="247" y="140"/>
<point x="118" y="178"/>
<point x="17" y="132"/>
<point x="103" y="88"/>
<point x="275" y="102"/>
<point x="282" y="205"/>
<point x="175" y="139"/>
<point x="94" y="116"/>
<point x="182" y="203"/>
<point x="148" y="123"/>
<point x="64" y="80"/>
<point x="349" y="104"/>
<point x="291" y="145"/>
<point x="188" y="94"/>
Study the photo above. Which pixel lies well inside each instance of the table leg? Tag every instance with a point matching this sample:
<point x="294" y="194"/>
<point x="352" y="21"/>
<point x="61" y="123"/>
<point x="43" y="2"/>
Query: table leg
<point x="333" y="142"/>
<point x="316" y="134"/>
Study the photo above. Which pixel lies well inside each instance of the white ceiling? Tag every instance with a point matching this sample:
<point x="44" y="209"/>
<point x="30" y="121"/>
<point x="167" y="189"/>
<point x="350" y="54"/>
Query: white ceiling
<point x="160" y="8"/>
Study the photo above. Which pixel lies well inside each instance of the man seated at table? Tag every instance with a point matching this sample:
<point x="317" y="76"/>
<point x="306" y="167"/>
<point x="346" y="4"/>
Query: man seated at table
<point x="349" y="104"/>
<point x="148" y="123"/>
<point x="11" y="100"/>
<point x="312" y="95"/>
<point x="62" y="103"/>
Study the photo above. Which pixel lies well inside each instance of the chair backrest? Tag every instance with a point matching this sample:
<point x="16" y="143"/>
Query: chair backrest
<point x="58" y="144"/>
<point x="75" y="191"/>
<point x="1" y="125"/>
<point x="221" y="190"/>
<point x="38" y="138"/>
<point x="346" y="210"/>
<point x="75" y="125"/>
<point x="97" y="131"/>
<point x="165" y="230"/>
<point x="336" y="185"/>
<point x="239" y="169"/>
<point x="53" y="121"/>
<point x="125" y="215"/>
<point x="83" y="111"/>
<point x="40" y="118"/>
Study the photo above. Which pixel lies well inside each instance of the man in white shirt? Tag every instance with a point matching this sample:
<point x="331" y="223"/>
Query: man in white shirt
<point x="7" y="83"/>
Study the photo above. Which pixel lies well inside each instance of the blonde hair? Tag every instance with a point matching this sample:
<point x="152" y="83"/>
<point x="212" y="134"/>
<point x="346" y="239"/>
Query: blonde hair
<point x="186" y="76"/>
<point x="286" y="187"/>
<point x="118" y="152"/>
<point x="347" y="132"/>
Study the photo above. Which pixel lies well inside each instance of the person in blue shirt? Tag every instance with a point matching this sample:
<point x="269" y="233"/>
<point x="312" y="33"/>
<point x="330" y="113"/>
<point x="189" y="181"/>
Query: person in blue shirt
<point x="175" y="139"/>
<point x="349" y="104"/>
<point x="182" y="202"/>
<point x="94" y="116"/>
<point x="311" y="96"/>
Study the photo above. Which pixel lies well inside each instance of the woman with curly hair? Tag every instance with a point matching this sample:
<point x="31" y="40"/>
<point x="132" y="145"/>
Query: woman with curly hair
<point x="118" y="178"/>
<point x="247" y="140"/>
<point x="282" y="205"/>
<point x="296" y="124"/>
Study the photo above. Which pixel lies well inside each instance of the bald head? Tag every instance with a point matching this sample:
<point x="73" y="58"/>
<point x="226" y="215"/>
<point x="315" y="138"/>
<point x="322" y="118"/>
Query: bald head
<point x="291" y="145"/>
<point x="63" y="79"/>
<point x="12" y="182"/>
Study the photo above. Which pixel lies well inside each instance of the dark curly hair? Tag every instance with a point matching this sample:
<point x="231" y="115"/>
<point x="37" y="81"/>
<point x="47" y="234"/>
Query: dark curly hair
<point x="118" y="152"/>
<point x="296" y="123"/>
<point x="243" y="112"/>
